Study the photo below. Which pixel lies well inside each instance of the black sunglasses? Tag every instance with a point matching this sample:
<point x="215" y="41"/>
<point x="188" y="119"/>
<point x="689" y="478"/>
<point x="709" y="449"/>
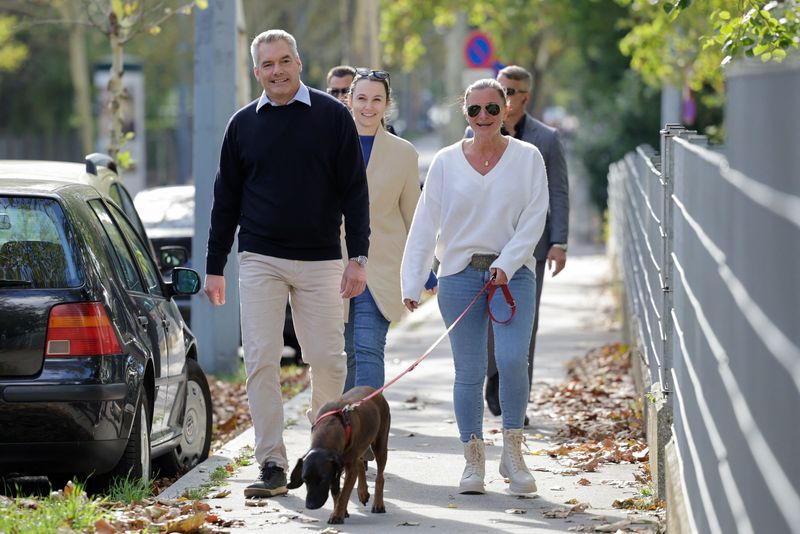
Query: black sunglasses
<point x="491" y="109"/>
<point x="336" y="92"/>
<point x="510" y="91"/>
<point x="364" y="72"/>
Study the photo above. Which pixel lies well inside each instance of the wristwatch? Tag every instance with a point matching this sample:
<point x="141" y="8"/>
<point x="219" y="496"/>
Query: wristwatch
<point x="361" y="260"/>
<point x="562" y="246"/>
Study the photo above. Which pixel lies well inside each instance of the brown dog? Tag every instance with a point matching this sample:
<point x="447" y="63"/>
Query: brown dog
<point x="338" y="442"/>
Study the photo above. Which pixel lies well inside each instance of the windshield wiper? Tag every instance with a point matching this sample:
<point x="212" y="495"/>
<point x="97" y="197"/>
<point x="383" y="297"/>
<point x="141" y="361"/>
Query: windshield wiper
<point x="15" y="283"/>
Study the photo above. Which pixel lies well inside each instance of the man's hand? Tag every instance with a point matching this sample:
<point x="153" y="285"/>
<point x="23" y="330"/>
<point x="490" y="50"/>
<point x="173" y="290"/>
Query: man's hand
<point x="411" y="304"/>
<point x="215" y="289"/>
<point x="558" y="255"/>
<point x="354" y="280"/>
<point x="500" y="277"/>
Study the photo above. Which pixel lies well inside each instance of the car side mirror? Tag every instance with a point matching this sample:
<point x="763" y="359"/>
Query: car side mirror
<point x="172" y="256"/>
<point x="185" y="281"/>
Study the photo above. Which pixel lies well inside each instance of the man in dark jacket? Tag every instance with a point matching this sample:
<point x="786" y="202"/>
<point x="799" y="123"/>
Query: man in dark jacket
<point x="290" y="167"/>
<point x="552" y="247"/>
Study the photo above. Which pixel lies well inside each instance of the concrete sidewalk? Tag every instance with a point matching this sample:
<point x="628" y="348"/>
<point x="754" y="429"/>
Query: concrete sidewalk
<point x="426" y="457"/>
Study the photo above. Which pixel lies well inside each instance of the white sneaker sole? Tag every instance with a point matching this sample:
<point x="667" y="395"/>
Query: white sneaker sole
<point x="518" y="489"/>
<point x="471" y="488"/>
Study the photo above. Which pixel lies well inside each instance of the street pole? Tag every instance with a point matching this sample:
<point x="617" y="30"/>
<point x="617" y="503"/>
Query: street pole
<point x="454" y="129"/>
<point x="215" y="68"/>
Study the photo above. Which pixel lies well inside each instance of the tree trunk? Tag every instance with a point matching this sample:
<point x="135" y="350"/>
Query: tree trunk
<point x="117" y="94"/>
<point x="79" y="72"/>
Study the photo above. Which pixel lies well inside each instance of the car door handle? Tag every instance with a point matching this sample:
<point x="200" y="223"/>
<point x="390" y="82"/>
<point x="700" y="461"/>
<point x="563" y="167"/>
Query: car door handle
<point x="143" y="320"/>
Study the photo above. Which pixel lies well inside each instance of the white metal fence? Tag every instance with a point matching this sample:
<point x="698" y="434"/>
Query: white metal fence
<point x="710" y="263"/>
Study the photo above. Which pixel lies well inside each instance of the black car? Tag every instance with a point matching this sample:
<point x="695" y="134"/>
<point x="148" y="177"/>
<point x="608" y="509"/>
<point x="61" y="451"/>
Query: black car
<point x="168" y="217"/>
<point x="98" y="371"/>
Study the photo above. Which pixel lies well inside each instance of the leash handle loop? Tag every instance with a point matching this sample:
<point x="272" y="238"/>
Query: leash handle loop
<point x="509" y="300"/>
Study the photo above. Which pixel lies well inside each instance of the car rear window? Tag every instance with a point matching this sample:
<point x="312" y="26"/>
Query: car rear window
<point x="37" y="247"/>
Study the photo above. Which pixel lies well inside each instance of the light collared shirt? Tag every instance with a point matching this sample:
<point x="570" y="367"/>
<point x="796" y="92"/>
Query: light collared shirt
<point x="302" y="95"/>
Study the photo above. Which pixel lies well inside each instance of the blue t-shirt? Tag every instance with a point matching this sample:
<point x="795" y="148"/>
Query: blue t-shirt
<point x="366" y="147"/>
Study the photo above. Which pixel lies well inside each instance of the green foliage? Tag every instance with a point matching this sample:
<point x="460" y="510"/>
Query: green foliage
<point x="129" y="490"/>
<point x="68" y="510"/>
<point x="12" y="52"/>
<point x="680" y="40"/>
<point x="37" y="96"/>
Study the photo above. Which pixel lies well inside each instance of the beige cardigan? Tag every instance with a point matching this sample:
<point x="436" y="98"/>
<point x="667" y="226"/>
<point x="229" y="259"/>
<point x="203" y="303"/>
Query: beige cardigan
<point x="393" y="180"/>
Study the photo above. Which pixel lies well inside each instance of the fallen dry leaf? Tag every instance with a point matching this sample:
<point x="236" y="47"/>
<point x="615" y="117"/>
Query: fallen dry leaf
<point x="556" y="513"/>
<point x="517" y="511"/>
<point x="584" y="482"/>
<point x="187" y="525"/>
<point x="104" y="527"/>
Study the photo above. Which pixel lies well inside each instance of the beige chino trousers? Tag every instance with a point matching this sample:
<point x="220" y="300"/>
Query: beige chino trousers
<point x="265" y="282"/>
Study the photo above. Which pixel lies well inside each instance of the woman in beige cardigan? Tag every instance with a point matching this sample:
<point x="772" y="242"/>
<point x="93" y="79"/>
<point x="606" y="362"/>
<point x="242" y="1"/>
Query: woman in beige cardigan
<point x="393" y="178"/>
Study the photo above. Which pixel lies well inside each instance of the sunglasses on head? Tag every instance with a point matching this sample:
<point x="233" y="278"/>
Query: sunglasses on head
<point x="491" y="109"/>
<point x="510" y="91"/>
<point x="363" y="72"/>
<point x="336" y="92"/>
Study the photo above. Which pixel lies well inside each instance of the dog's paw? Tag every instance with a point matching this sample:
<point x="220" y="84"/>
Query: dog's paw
<point x="378" y="509"/>
<point x="335" y="520"/>
<point x="364" y="500"/>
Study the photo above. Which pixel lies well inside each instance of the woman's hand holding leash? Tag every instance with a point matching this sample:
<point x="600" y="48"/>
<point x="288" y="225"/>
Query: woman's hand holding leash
<point x="499" y="277"/>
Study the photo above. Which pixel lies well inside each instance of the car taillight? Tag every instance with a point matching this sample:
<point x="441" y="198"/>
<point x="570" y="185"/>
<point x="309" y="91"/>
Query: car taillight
<point x="80" y="329"/>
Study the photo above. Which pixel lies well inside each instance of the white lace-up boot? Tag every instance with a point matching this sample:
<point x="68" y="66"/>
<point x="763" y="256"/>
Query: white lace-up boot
<point x="512" y="465"/>
<point x="475" y="470"/>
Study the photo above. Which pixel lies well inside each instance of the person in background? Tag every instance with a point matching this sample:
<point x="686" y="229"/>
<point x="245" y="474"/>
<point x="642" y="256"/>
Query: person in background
<point x="290" y="167"/>
<point x="552" y="247"/>
<point x="393" y="178"/>
<point x="482" y="211"/>
<point x="339" y="80"/>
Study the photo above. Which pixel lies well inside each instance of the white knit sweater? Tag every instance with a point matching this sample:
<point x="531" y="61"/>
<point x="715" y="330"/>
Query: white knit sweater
<point x="461" y="213"/>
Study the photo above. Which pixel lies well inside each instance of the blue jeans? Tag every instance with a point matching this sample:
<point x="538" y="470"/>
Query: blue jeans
<point x="468" y="342"/>
<point x="364" y="342"/>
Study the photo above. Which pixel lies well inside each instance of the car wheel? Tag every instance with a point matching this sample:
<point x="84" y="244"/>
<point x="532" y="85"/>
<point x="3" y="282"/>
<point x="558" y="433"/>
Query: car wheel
<point x="135" y="461"/>
<point x="196" y="437"/>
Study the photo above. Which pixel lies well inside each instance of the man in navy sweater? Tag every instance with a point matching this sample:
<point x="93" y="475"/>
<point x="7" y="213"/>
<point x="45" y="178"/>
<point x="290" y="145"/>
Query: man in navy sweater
<point x="290" y="167"/>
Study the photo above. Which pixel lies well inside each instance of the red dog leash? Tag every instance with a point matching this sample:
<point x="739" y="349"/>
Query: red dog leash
<point x="342" y="412"/>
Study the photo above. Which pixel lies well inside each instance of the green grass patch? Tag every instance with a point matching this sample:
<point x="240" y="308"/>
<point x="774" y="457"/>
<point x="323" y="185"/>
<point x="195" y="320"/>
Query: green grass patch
<point x="65" y="510"/>
<point x="129" y="490"/>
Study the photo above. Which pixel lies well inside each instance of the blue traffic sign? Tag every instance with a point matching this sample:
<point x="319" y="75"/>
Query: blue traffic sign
<point x="478" y="50"/>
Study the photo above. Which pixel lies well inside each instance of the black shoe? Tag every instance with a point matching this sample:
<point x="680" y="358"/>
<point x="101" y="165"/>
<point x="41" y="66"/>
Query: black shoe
<point x="527" y="421"/>
<point x="492" y="391"/>
<point x="272" y="482"/>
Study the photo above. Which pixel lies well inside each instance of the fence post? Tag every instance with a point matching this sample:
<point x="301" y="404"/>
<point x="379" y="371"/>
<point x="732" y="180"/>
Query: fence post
<point x="660" y="426"/>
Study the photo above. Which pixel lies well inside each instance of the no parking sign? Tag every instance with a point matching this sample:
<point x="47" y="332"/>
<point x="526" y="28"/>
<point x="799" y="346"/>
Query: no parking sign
<point x="478" y="51"/>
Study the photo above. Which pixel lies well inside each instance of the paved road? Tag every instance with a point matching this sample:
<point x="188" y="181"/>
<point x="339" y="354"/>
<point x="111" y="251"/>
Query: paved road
<point x="425" y="459"/>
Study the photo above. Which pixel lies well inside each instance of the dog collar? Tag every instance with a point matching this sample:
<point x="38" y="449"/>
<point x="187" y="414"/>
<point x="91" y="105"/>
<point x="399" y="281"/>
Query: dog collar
<point x="344" y="416"/>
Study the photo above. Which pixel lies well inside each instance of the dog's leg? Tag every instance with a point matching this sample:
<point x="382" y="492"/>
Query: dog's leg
<point x="381" y="447"/>
<point x="363" y="490"/>
<point x="340" y="509"/>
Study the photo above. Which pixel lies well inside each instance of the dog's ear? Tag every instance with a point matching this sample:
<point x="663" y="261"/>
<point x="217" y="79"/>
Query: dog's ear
<point x="296" y="480"/>
<point x="336" y="460"/>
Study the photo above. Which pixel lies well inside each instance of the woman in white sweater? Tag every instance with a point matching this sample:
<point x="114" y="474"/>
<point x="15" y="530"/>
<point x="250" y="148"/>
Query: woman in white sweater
<point x="482" y="211"/>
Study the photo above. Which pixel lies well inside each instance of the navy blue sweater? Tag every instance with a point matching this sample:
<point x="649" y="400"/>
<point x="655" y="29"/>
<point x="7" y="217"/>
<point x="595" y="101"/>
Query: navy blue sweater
<point x="286" y="176"/>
